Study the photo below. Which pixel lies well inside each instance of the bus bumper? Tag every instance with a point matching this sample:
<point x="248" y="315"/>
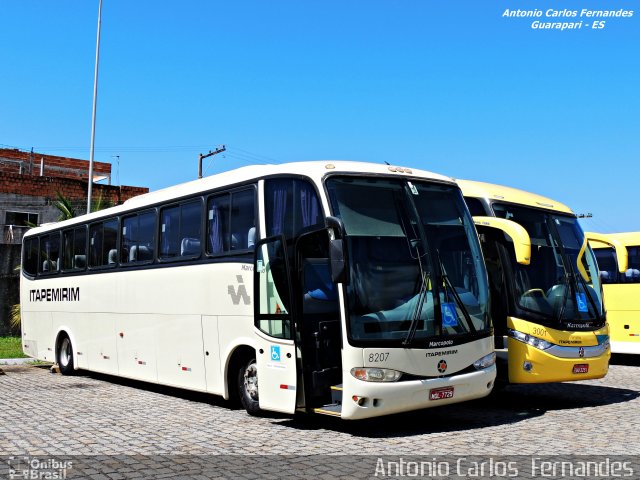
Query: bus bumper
<point x="375" y="399"/>
<point x="528" y="364"/>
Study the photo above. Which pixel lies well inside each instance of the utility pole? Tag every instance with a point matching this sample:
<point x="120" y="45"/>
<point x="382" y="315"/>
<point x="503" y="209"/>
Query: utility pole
<point x="210" y="154"/>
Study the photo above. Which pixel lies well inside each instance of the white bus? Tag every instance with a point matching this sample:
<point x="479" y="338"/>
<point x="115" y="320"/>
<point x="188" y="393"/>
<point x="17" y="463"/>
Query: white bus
<point x="335" y="288"/>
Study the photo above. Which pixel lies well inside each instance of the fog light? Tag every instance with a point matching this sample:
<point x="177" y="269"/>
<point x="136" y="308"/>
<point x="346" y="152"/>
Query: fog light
<point x="527" y="366"/>
<point x="360" y="401"/>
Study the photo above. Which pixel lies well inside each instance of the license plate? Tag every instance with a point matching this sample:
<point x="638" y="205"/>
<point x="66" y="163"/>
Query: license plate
<point x="581" y="368"/>
<point x="440" y="393"/>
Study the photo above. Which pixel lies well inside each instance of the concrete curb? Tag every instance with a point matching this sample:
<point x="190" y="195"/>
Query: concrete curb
<point x="15" y="361"/>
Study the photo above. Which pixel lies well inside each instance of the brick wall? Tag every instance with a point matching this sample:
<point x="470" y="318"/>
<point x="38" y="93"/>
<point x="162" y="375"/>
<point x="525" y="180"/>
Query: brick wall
<point x="54" y="166"/>
<point x="28" y="185"/>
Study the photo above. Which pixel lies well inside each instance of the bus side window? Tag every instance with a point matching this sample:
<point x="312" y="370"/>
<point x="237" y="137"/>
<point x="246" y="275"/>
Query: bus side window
<point x="231" y="221"/>
<point x="49" y="253"/>
<point x="103" y="244"/>
<point x="180" y="227"/>
<point x="607" y="264"/>
<point x="74" y="249"/>
<point x="291" y="206"/>
<point x="632" y="275"/>
<point x="242" y="218"/>
<point x="218" y="224"/>
<point x="475" y="207"/>
<point x="30" y="260"/>
<point x="138" y="238"/>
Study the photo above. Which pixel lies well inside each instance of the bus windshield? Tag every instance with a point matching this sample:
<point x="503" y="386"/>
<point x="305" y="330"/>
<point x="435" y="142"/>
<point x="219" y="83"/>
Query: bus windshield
<point x="416" y="268"/>
<point x="561" y="284"/>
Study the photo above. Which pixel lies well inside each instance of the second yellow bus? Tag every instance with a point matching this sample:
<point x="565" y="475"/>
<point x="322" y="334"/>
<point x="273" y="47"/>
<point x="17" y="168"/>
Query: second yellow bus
<point x="546" y="296"/>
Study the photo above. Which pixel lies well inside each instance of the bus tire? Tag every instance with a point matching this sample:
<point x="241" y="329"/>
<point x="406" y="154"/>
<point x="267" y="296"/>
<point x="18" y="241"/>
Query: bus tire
<point x="65" y="355"/>
<point x="247" y="381"/>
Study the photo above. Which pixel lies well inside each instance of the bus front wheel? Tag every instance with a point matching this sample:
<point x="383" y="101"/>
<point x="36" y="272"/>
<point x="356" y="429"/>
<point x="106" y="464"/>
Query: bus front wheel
<point x="65" y="356"/>
<point x="248" y="386"/>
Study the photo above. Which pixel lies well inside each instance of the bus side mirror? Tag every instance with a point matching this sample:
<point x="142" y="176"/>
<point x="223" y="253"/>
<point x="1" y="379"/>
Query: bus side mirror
<point x="622" y="255"/>
<point x="517" y="233"/>
<point x="337" y="250"/>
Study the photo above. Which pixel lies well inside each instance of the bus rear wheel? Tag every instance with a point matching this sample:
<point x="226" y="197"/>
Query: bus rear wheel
<point x="65" y="356"/>
<point x="247" y="380"/>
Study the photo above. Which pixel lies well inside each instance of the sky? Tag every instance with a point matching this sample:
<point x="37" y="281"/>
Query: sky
<point x="449" y="86"/>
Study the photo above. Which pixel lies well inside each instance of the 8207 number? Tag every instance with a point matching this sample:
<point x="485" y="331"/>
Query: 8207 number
<point x="378" y="357"/>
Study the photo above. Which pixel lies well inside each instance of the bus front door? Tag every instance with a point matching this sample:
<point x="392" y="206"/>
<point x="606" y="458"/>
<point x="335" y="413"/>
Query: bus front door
<point x="274" y="327"/>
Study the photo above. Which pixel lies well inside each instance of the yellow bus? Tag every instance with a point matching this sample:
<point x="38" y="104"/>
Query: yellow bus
<point x="621" y="289"/>
<point x="546" y="296"/>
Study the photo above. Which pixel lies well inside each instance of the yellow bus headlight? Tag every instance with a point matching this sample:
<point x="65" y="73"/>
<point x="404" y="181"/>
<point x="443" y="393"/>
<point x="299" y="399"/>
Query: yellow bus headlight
<point x="535" y="342"/>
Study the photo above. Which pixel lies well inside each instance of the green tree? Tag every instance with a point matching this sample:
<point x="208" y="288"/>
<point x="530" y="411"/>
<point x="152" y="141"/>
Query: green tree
<point x="65" y="206"/>
<point x="68" y="210"/>
<point x="14" y="312"/>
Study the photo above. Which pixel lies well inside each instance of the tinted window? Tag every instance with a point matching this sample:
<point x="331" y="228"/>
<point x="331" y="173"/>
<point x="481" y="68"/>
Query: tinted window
<point x="231" y="222"/>
<point x="291" y="206"/>
<point x="475" y="207"/>
<point x="74" y="249"/>
<point x="49" y="253"/>
<point x="138" y="238"/>
<point x="218" y="224"/>
<point x="180" y="228"/>
<point x="30" y="256"/>
<point x="242" y="219"/>
<point x="103" y="244"/>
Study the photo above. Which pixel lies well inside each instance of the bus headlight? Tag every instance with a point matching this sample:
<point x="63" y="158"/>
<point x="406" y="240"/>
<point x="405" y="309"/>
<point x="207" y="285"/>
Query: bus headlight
<point x="529" y="339"/>
<point x="367" y="374"/>
<point x="485" y="362"/>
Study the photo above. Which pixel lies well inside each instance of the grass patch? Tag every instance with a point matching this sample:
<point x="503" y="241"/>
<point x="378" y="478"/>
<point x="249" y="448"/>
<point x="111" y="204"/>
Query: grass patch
<point x="11" y="347"/>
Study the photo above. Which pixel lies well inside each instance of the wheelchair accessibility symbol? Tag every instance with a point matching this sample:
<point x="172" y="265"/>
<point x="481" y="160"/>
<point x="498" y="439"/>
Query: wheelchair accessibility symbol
<point x="275" y="353"/>
<point x="581" y="300"/>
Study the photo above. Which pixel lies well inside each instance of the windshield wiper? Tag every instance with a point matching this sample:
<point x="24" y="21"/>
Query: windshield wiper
<point x="571" y="277"/>
<point x="586" y="291"/>
<point x="456" y="297"/>
<point x="417" y="311"/>
<point x="422" y="295"/>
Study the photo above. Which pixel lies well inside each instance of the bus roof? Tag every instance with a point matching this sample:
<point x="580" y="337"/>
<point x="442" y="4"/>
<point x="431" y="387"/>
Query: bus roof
<point x="313" y="169"/>
<point x="628" y="239"/>
<point x="490" y="191"/>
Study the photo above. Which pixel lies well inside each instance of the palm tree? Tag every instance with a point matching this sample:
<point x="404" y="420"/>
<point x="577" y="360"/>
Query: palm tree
<point x="68" y="210"/>
<point x="65" y="206"/>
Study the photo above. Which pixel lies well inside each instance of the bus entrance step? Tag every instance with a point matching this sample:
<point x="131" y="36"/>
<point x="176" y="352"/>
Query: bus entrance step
<point x="336" y="394"/>
<point x="333" y="410"/>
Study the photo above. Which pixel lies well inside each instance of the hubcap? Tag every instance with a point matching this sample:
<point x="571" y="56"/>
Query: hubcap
<point x="251" y="381"/>
<point x="65" y="352"/>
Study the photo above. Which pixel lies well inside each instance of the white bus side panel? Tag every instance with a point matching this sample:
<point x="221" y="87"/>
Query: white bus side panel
<point x="136" y="339"/>
<point x="37" y="328"/>
<point x="100" y="344"/>
<point x="211" y="344"/>
<point x="180" y="351"/>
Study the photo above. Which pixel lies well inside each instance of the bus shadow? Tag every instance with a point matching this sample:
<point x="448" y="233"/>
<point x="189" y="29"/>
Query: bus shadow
<point x="625" y="359"/>
<point x="513" y="404"/>
<point x="181" y="393"/>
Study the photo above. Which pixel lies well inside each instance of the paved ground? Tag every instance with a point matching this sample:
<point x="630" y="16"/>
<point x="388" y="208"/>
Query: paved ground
<point x="90" y="414"/>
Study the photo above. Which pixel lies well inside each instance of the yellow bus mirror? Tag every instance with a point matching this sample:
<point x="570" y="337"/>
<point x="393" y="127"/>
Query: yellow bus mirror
<point x="622" y="256"/>
<point x="517" y="233"/>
